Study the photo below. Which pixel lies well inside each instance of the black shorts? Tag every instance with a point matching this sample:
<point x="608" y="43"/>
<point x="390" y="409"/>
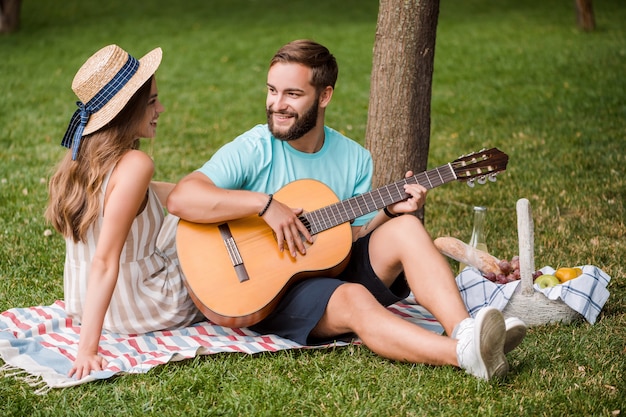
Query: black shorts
<point x="302" y="307"/>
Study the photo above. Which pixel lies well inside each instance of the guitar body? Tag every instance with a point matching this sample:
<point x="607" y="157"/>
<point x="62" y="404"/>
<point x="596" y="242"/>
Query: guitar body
<point x="234" y="271"/>
<point x="216" y="287"/>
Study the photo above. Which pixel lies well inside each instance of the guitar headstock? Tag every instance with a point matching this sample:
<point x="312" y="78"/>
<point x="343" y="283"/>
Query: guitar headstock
<point x="480" y="166"/>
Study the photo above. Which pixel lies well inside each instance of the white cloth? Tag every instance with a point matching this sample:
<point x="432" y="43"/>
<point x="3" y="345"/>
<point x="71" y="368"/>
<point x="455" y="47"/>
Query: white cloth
<point x="585" y="294"/>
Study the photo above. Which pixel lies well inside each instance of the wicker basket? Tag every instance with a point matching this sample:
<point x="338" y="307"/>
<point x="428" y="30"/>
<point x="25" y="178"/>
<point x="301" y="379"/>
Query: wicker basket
<point x="531" y="306"/>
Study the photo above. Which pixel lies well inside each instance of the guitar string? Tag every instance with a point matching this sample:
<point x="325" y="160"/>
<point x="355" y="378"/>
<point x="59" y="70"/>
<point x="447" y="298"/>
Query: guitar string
<point x="337" y="213"/>
<point x="343" y="211"/>
<point x="330" y="216"/>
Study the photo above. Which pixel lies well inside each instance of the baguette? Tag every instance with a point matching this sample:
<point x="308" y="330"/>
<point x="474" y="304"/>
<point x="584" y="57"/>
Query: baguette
<point x="469" y="255"/>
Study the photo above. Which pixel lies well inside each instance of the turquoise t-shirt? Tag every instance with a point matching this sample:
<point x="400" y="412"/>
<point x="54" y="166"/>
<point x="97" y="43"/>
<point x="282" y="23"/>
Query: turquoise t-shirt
<point x="257" y="161"/>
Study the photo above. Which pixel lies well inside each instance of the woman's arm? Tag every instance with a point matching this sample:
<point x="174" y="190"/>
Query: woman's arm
<point x="124" y="197"/>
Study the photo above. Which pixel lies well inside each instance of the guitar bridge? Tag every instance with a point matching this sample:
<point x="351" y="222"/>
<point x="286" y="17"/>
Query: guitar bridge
<point x="233" y="252"/>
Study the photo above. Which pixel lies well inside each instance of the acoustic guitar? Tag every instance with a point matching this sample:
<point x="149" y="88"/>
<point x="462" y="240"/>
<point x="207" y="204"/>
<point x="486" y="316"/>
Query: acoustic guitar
<point x="234" y="271"/>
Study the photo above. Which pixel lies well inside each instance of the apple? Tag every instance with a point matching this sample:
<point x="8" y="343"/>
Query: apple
<point x="547" y="280"/>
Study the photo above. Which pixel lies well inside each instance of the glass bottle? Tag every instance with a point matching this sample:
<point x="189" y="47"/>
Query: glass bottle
<point x="478" y="235"/>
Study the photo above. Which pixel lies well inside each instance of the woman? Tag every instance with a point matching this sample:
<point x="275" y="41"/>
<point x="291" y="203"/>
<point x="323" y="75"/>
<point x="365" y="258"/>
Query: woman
<point x="121" y="271"/>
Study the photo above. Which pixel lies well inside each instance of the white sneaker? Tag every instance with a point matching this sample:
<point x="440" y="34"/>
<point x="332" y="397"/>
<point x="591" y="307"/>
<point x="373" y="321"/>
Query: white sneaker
<point x="515" y="333"/>
<point x="480" y="346"/>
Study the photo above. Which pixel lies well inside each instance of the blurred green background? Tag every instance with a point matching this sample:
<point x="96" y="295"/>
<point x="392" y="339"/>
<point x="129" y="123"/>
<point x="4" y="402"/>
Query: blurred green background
<point x="516" y="75"/>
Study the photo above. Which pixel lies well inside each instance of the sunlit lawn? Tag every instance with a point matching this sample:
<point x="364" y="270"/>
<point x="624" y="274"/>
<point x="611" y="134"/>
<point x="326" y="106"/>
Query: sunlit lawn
<point x="515" y="75"/>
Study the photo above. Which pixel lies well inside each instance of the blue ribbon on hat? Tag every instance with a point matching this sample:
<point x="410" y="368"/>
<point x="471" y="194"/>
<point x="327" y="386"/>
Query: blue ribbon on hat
<point x="79" y="120"/>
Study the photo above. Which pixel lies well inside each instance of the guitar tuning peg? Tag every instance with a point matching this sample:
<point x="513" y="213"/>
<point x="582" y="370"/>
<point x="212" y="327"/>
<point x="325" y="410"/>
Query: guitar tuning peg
<point x="470" y="183"/>
<point x="482" y="180"/>
<point x="492" y="178"/>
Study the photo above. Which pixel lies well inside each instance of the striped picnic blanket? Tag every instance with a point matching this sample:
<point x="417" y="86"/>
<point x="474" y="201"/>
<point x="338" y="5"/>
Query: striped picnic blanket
<point x="38" y="344"/>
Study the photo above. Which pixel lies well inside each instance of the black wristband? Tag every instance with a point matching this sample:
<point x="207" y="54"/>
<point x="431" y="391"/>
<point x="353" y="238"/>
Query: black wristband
<point x="262" y="212"/>
<point x="390" y="214"/>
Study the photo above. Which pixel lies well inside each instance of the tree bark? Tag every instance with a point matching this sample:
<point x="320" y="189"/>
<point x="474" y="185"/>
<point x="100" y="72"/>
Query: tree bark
<point x="398" y="126"/>
<point x="10" y="15"/>
<point x="584" y="14"/>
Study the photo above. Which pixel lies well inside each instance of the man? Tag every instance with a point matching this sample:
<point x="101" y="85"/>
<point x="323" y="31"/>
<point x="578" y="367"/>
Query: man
<point x="391" y="254"/>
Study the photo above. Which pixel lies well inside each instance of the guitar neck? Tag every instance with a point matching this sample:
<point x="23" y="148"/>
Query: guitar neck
<point x="335" y="214"/>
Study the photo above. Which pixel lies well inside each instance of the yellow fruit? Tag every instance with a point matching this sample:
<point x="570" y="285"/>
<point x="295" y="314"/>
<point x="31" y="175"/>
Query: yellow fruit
<point x="565" y="274"/>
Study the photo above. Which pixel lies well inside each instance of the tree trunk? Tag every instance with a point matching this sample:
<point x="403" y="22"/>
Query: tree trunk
<point x="10" y="15"/>
<point x="398" y="126"/>
<point x="584" y="14"/>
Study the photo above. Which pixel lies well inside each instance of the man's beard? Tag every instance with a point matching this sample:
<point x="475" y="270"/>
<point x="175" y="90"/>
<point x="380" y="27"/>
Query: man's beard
<point x="301" y="126"/>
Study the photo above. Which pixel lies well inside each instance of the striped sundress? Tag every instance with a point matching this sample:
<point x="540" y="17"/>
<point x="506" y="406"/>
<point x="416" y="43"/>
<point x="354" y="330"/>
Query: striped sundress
<point x="150" y="294"/>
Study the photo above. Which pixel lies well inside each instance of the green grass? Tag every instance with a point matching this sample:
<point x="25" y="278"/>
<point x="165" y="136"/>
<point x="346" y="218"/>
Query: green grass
<point x="516" y="75"/>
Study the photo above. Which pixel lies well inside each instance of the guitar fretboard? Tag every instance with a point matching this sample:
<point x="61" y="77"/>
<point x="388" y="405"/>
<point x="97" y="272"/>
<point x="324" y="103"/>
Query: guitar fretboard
<point x="335" y="214"/>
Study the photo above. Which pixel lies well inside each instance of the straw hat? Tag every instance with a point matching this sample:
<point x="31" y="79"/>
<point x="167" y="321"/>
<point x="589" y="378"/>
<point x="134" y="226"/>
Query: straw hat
<point x="99" y="69"/>
<point x="104" y="84"/>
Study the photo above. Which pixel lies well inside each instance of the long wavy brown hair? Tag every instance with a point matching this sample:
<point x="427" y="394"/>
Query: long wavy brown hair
<point x="74" y="188"/>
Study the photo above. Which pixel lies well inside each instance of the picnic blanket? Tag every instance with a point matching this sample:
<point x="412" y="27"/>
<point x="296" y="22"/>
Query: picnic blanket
<point x="585" y="294"/>
<point x="38" y="344"/>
